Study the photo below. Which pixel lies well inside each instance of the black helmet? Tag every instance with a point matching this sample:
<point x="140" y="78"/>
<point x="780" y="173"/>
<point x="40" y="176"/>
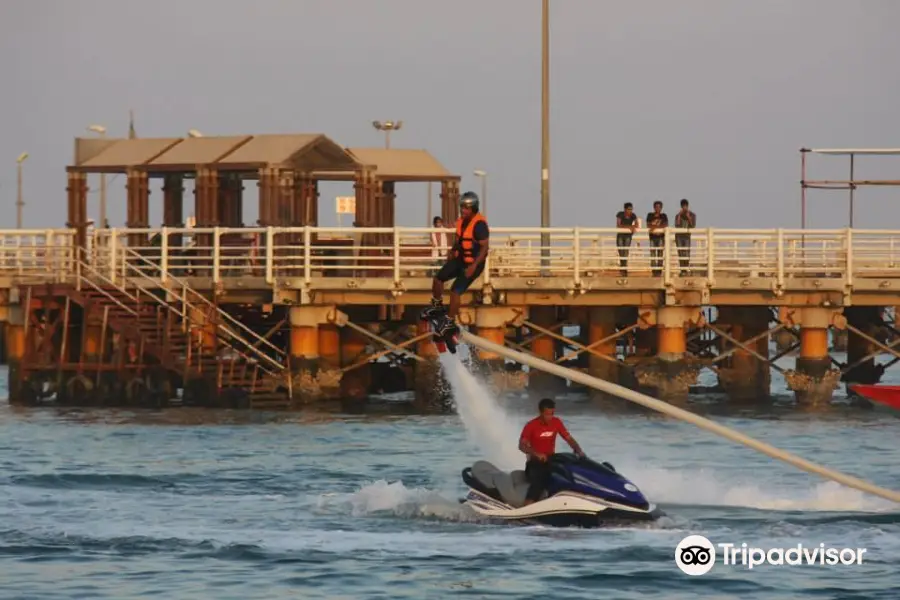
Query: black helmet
<point x="469" y="199"/>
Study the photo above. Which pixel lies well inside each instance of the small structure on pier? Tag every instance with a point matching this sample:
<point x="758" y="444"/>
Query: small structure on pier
<point x="287" y="168"/>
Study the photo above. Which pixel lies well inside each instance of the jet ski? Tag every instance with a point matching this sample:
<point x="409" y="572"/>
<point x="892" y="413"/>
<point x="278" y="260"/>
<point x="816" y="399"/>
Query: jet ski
<point x="581" y="493"/>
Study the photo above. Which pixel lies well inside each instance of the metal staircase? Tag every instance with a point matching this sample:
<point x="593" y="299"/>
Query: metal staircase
<point x="187" y="333"/>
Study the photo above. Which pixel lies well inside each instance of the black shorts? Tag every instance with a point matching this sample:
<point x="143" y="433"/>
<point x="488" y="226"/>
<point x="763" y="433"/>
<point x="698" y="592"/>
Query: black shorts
<point x="457" y="269"/>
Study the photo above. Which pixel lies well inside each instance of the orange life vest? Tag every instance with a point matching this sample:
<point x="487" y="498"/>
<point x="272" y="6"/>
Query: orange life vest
<point x="465" y="239"/>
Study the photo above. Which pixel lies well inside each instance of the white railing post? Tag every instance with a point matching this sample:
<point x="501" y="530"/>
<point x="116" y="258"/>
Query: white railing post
<point x="849" y="258"/>
<point x="164" y="256"/>
<point x="396" y="255"/>
<point x="113" y="254"/>
<point x="667" y="270"/>
<point x="216" y="254"/>
<point x="576" y="241"/>
<point x="710" y="257"/>
<point x="270" y="242"/>
<point x="780" y="258"/>
<point x="50" y="255"/>
<point x="307" y="254"/>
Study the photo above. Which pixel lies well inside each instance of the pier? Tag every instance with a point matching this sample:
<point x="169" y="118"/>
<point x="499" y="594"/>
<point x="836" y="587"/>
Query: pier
<point x="287" y="313"/>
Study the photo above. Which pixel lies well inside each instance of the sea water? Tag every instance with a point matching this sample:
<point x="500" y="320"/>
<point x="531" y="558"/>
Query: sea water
<point x="189" y="503"/>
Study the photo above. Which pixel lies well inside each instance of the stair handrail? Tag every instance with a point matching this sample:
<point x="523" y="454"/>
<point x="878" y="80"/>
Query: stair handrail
<point x="161" y="301"/>
<point x="187" y="288"/>
<point x="81" y="265"/>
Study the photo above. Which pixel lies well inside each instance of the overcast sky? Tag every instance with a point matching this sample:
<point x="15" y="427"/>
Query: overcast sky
<point x="651" y="99"/>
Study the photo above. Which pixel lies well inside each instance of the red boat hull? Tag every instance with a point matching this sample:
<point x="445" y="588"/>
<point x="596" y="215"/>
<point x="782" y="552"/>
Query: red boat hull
<point x="888" y="395"/>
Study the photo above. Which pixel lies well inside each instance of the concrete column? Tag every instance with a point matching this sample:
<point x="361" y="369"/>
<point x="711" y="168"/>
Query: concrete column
<point x="602" y="325"/>
<point x="671" y="373"/>
<point x="304" y="339"/>
<point x="329" y="346"/>
<point x="743" y="376"/>
<point x="315" y="353"/>
<point x="544" y="348"/>
<point x="813" y="380"/>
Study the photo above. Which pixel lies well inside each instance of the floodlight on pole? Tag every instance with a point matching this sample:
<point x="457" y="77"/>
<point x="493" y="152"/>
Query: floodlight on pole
<point x="483" y="175"/>
<point x="387" y="127"/>
<point x="20" y="202"/>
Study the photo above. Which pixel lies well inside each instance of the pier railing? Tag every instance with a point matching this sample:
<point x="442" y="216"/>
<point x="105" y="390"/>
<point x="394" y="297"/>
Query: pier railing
<point x="403" y="257"/>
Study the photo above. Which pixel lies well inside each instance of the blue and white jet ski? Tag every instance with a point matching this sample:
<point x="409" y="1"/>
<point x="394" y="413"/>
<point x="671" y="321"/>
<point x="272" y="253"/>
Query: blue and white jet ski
<point x="581" y="493"/>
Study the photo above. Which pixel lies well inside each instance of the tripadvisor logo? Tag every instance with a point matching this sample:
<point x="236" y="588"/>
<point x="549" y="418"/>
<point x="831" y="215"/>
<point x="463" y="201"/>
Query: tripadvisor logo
<point x="696" y="555"/>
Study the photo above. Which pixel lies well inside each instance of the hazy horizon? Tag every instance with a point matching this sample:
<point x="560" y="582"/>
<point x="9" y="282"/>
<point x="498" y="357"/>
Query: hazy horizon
<point x="708" y="100"/>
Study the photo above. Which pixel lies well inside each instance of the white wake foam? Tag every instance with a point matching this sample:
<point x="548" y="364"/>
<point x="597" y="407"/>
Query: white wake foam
<point x="394" y="498"/>
<point x="708" y="488"/>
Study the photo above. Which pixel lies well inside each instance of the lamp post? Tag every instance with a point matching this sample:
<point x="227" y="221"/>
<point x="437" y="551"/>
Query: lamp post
<point x="20" y="203"/>
<point x="545" y="134"/>
<point x="101" y="131"/>
<point x="483" y="175"/>
<point x="387" y="127"/>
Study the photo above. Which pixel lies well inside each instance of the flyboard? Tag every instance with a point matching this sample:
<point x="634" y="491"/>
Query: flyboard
<point x="447" y="342"/>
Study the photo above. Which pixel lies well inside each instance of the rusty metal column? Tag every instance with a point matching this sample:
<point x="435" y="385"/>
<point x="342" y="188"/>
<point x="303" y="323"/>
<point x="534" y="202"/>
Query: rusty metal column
<point x="366" y="216"/>
<point x="744" y="376"/>
<point x="138" y="207"/>
<point x="867" y="319"/>
<point x="77" y="201"/>
<point x="545" y="348"/>
<point x="15" y="352"/>
<point x="355" y="383"/>
<point x="267" y="188"/>
<point x="602" y="326"/>
<point x="230" y="201"/>
<point x="173" y="206"/>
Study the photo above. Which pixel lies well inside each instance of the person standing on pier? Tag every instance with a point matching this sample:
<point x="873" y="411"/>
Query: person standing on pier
<point x="625" y="219"/>
<point x="465" y="262"/>
<point x="657" y="221"/>
<point x="685" y="219"/>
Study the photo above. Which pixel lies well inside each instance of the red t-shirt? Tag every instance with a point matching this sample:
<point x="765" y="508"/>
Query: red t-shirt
<point x="543" y="437"/>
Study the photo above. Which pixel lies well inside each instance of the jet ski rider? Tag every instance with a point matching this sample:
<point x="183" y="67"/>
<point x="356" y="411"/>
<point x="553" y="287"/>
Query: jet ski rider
<point x="465" y="262"/>
<point x="538" y="442"/>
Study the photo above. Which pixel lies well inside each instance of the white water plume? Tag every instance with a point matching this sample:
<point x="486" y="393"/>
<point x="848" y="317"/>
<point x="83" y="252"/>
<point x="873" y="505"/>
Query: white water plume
<point x="488" y="426"/>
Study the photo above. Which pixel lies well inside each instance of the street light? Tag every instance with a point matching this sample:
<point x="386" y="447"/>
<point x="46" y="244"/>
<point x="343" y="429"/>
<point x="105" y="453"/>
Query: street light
<point x="19" y="201"/>
<point x="101" y="131"/>
<point x="545" y="135"/>
<point x="483" y="176"/>
<point x="387" y="127"/>
<point x="194" y="133"/>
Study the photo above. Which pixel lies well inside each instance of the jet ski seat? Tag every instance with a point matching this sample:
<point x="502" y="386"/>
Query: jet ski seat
<point x="512" y="486"/>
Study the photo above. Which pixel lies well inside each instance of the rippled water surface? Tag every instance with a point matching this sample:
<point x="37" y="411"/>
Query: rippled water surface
<point x="202" y="504"/>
